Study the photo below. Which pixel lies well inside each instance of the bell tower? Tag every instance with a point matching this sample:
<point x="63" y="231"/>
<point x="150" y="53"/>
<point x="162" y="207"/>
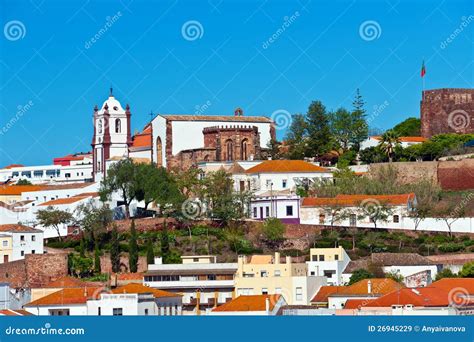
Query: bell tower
<point x="112" y="135"/>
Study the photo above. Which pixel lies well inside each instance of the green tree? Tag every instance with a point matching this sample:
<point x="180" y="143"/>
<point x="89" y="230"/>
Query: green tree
<point x="81" y="266"/>
<point x="150" y="253"/>
<point x="296" y="137"/>
<point x="53" y="218"/>
<point x="394" y="276"/>
<point x="23" y="182"/>
<point x="359" y="123"/>
<point x="97" y="267"/>
<point x="133" y="249"/>
<point x="148" y="177"/>
<point x="318" y="129"/>
<point x="359" y="275"/>
<point x="467" y="270"/>
<point x="375" y="211"/>
<point x="122" y="177"/>
<point x="410" y="127"/>
<point x="273" y="229"/>
<point x="82" y="248"/>
<point x="93" y="219"/>
<point x="389" y="140"/>
<point x="273" y="147"/>
<point x="445" y="273"/>
<point x="115" y="250"/>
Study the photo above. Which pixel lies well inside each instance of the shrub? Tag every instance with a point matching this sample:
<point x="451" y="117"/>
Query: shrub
<point x="359" y="275"/>
<point x="450" y="247"/>
<point x="273" y="229"/>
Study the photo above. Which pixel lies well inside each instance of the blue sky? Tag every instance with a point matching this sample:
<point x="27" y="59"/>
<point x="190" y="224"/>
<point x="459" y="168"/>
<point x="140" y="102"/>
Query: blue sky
<point x="52" y="75"/>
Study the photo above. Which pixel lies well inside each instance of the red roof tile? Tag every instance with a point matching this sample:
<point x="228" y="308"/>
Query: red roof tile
<point x="9" y="312"/>
<point x="422" y="296"/>
<point x="139" y="288"/>
<point x="68" y="296"/>
<point x="249" y="303"/>
<point x="18" y="228"/>
<point x="284" y="166"/>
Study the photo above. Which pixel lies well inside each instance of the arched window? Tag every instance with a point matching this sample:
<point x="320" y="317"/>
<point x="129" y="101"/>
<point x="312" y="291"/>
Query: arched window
<point x="159" y="152"/>
<point x="117" y="126"/>
<point x="229" y="148"/>
<point x="100" y="127"/>
<point x="243" y="149"/>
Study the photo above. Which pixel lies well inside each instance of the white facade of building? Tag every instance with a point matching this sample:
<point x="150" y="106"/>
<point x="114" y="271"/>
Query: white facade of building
<point x="281" y="206"/>
<point x="328" y="262"/>
<point x="24" y="240"/>
<point x="48" y="173"/>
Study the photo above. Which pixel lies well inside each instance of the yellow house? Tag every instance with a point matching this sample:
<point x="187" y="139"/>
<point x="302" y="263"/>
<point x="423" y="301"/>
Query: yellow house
<point x="266" y="274"/>
<point x="6" y="248"/>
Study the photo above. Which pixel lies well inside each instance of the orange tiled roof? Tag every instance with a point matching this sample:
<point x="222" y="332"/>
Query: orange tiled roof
<point x="249" y="303"/>
<point x="261" y="259"/>
<point x="67" y="296"/>
<point x="18" y="228"/>
<point x="19" y="189"/>
<point x="186" y="117"/>
<point x="324" y="292"/>
<point x="275" y="166"/>
<point x="356" y="303"/>
<point x="380" y="286"/>
<point x="139" y="288"/>
<point x="9" y="312"/>
<point x="11" y="166"/>
<point x="422" y="296"/>
<point x="354" y="200"/>
<point x="67" y="200"/>
<point x="65" y="282"/>
<point x="142" y="139"/>
<point x="448" y="284"/>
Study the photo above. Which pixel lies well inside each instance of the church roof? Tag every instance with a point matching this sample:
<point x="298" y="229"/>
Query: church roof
<point x="142" y="139"/>
<point x="113" y="104"/>
<point x="187" y="117"/>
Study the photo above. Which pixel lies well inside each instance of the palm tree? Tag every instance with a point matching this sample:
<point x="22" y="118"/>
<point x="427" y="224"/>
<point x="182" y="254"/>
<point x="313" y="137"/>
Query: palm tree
<point x="389" y="140"/>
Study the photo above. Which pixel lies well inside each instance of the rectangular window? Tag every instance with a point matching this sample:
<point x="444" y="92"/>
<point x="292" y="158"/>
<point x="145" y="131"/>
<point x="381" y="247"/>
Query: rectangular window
<point x="336" y="257"/>
<point x="33" y="237"/>
<point x="277" y="273"/>
<point x="263" y="274"/>
<point x="299" y="293"/>
<point x="264" y="290"/>
<point x="117" y="311"/>
<point x="255" y="212"/>
<point x="99" y="312"/>
<point x="146" y="312"/>
<point x="267" y="211"/>
<point x="33" y="251"/>
<point x="289" y="210"/>
<point x="5" y="243"/>
<point x="321" y="257"/>
<point x="396" y="218"/>
<point x="22" y="253"/>
<point x="283" y="183"/>
<point x="22" y="237"/>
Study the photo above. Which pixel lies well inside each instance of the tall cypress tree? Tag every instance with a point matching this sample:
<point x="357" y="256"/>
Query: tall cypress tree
<point x="115" y="251"/>
<point x="359" y="124"/>
<point x="165" y="243"/>
<point x="133" y="249"/>
<point x="150" y="254"/>
<point x="97" y="267"/>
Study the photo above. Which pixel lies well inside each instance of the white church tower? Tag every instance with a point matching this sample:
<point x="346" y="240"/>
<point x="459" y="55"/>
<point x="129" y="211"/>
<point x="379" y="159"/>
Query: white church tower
<point x="112" y="136"/>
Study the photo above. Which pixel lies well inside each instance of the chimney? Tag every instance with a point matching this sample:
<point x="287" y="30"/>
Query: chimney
<point x="277" y="258"/>
<point x="288" y="260"/>
<point x="369" y="287"/>
<point x="267" y="304"/>
<point x="158" y="260"/>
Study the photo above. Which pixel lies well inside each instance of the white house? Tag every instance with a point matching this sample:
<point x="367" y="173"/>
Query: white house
<point x="130" y="300"/>
<point x="283" y="204"/>
<point x="47" y="173"/>
<point x="357" y="210"/>
<point x="253" y="305"/>
<point x="203" y="282"/>
<point x="281" y="175"/>
<point x="328" y="262"/>
<point x="24" y="240"/>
